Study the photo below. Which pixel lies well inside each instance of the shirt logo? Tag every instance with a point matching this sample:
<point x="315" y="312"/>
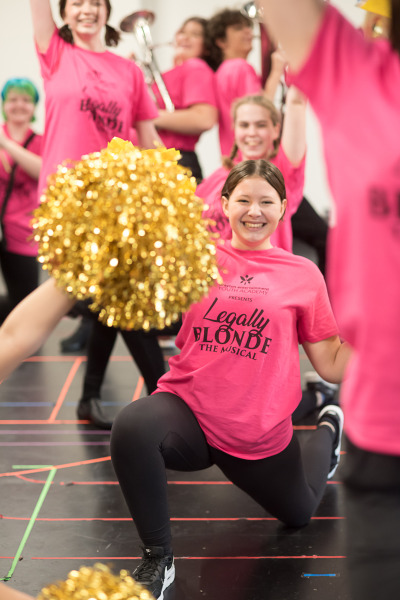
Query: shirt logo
<point x="246" y="279"/>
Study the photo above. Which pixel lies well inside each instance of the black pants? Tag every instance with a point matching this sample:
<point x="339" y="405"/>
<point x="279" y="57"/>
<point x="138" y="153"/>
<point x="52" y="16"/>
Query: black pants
<point x="190" y="160"/>
<point x="372" y="486"/>
<point x="21" y="276"/>
<point x="161" y="432"/>
<point x="308" y="226"/>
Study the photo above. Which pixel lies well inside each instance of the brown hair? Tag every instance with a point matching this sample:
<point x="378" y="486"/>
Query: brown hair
<point x="394" y="35"/>
<point x="216" y="30"/>
<point x="259" y="100"/>
<point x="206" y="54"/>
<point x="112" y="36"/>
<point x="255" y="168"/>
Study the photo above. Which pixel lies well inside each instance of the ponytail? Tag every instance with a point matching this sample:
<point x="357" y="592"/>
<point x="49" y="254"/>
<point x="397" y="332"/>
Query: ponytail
<point x="228" y="161"/>
<point x="112" y="36"/>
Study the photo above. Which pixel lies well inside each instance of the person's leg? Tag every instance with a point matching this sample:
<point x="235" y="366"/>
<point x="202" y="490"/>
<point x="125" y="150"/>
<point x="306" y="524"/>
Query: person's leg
<point x="310" y="227"/>
<point x="147" y="436"/>
<point x="21" y="277"/>
<point x="100" y="347"/>
<point x="372" y="502"/>
<point x="289" y="485"/>
<point x="147" y="354"/>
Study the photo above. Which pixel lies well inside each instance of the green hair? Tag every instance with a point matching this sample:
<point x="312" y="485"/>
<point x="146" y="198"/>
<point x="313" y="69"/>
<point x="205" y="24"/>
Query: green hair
<point x="21" y="85"/>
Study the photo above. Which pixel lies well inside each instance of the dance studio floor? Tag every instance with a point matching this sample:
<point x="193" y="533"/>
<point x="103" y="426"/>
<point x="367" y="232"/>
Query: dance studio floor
<point x="60" y="505"/>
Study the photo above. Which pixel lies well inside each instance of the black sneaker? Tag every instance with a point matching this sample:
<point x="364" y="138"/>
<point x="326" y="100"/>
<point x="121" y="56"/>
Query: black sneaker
<point x="89" y="409"/>
<point x="325" y="392"/>
<point x="156" y="571"/>
<point x="334" y="415"/>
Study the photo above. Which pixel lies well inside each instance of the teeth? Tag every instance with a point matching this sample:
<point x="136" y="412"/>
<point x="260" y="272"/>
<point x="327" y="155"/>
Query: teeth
<point x="254" y="225"/>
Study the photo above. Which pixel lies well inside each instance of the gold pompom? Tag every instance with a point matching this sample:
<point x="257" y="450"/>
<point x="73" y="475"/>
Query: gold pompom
<point x="97" y="583"/>
<point x="123" y="227"/>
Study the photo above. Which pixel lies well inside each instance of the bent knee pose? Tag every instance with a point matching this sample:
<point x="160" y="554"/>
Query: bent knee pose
<point x="229" y="396"/>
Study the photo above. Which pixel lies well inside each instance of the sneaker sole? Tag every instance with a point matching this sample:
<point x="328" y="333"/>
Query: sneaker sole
<point x="339" y="414"/>
<point x="169" y="578"/>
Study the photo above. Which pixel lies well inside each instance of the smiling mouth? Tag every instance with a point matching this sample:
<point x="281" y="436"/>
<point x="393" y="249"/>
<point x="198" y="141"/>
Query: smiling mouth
<point x="253" y="225"/>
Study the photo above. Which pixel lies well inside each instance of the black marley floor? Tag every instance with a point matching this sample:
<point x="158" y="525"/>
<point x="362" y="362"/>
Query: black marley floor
<point x="60" y="505"/>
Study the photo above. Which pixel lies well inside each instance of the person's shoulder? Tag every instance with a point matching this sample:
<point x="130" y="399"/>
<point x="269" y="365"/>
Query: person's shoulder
<point x="197" y="64"/>
<point x="216" y="178"/>
<point x="234" y="64"/>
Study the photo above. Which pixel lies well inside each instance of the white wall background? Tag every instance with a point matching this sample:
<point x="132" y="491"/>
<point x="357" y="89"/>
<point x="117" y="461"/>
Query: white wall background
<point x="18" y="59"/>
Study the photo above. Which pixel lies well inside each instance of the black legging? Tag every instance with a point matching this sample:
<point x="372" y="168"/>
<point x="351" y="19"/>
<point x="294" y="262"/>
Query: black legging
<point x="143" y="347"/>
<point x="21" y="276"/>
<point x="161" y="432"/>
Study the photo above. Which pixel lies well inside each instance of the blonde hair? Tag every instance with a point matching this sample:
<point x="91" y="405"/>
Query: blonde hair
<point x="259" y="100"/>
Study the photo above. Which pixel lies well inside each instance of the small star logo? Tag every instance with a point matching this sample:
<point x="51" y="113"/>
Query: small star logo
<point x="246" y="279"/>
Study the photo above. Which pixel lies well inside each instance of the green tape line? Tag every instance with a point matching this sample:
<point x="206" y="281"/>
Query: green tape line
<point x="33" y="518"/>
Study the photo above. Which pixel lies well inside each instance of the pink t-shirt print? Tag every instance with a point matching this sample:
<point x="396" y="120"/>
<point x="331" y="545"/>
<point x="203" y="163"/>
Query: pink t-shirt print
<point x="90" y="98"/>
<point x="247" y="331"/>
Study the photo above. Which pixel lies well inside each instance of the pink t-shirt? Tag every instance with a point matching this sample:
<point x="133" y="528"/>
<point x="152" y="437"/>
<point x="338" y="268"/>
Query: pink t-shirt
<point x="190" y="83"/>
<point x="238" y="369"/>
<point x="90" y="98"/>
<point x="354" y="88"/>
<point x="21" y="203"/>
<point x="234" y="78"/>
<point x="210" y="190"/>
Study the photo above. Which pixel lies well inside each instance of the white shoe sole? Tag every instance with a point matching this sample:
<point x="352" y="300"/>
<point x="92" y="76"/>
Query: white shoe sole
<point x="339" y="413"/>
<point x="169" y="578"/>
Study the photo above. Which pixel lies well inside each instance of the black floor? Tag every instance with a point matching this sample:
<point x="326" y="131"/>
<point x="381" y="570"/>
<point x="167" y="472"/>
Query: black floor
<point x="60" y="505"/>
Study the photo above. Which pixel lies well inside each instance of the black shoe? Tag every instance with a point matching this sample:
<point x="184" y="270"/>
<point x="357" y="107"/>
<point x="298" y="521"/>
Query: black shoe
<point x="89" y="409"/>
<point x="334" y="415"/>
<point x="79" y="339"/>
<point x="326" y="393"/>
<point x="156" y="571"/>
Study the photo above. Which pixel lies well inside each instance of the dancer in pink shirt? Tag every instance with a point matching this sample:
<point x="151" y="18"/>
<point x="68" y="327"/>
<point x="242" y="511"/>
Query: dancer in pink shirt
<point x="257" y="129"/>
<point x="354" y="87"/>
<point x="229" y="396"/>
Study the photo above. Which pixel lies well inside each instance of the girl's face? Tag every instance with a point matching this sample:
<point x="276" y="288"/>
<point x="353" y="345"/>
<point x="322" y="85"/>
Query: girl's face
<point x="238" y="41"/>
<point x="18" y="107"/>
<point x="86" y="18"/>
<point x="254" y="210"/>
<point x="255" y="132"/>
<point x="189" y="41"/>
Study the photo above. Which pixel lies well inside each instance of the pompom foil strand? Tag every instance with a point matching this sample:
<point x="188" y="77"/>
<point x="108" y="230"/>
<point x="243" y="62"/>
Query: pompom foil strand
<point x="97" y="583"/>
<point x="123" y="227"/>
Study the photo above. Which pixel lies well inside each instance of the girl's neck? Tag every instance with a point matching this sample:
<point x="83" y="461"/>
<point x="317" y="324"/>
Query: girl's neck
<point x="232" y="54"/>
<point x="17" y="131"/>
<point x="94" y="44"/>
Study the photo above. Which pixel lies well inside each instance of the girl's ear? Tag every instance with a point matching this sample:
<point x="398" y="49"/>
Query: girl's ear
<point x="225" y="201"/>
<point x="283" y="208"/>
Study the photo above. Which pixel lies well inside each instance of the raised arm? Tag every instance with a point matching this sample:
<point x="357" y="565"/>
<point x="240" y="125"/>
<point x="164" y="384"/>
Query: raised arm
<point x="293" y="24"/>
<point x="43" y="23"/>
<point x="293" y="138"/>
<point x="329" y="358"/>
<point x="30" y="323"/>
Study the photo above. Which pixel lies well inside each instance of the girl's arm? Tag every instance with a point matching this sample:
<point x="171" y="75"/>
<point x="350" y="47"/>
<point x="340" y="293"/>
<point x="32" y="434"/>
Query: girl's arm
<point x="43" y="23"/>
<point x="278" y="64"/>
<point x="189" y="121"/>
<point x="30" y="323"/>
<point x="293" y="24"/>
<point x="293" y="137"/>
<point x="147" y="134"/>
<point x="30" y="162"/>
<point x="7" y="593"/>
<point x="329" y="358"/>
